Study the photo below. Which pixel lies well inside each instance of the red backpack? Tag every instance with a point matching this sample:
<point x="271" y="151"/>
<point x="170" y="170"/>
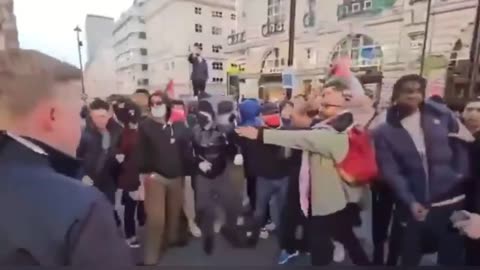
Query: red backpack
<point x="359" y="167"/>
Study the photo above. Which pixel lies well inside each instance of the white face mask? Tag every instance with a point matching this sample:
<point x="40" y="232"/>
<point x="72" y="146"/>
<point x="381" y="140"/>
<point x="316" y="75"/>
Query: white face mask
<point x="159" y="111"/>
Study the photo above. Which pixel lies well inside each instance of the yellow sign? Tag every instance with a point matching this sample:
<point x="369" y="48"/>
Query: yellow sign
<point x="235" y="69"/>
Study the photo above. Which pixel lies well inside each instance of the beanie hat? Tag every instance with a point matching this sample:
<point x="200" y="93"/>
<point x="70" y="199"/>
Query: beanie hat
<point x="206" y="107"/>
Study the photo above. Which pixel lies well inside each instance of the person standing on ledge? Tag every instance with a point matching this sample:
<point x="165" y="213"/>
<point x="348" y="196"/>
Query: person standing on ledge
<point x="199" y="74"/>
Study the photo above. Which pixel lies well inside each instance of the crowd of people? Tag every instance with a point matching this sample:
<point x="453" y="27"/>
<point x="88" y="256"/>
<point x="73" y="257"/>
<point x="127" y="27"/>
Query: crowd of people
<point x="302" y="165"/>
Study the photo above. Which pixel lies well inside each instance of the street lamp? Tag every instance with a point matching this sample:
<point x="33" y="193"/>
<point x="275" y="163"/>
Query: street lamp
<point x="79" y="45"/>
<point x="291" y="40"/>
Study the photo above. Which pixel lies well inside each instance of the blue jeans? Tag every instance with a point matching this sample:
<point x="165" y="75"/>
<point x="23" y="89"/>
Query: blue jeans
<point x="270" y="190"/>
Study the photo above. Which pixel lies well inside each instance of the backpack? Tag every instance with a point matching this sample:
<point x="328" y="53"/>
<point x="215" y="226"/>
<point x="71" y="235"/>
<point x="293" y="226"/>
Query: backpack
<point x="359" y="167"/>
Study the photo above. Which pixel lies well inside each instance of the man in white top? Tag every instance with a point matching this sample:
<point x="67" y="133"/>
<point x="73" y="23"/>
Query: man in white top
<point x="425" y="162"/>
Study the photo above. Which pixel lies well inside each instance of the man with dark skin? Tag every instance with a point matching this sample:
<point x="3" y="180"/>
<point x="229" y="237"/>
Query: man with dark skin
<point x="423" y="159"/>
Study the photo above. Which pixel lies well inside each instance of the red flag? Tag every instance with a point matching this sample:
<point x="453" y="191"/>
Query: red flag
<point x="170" y="89"/>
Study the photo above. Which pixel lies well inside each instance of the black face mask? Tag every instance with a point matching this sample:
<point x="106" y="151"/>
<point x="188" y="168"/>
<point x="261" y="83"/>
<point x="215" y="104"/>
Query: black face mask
<point x="203" y="121"/>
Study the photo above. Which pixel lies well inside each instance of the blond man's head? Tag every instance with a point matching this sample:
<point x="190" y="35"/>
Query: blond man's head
<point x="40" y="97"/>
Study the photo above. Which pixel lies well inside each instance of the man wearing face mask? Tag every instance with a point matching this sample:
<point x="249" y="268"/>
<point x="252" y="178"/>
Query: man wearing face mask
<point x="163" y="154"/>
<point x="128" y="115"/>
<point x="214" y="148"/>
<point x="423" y="158"/>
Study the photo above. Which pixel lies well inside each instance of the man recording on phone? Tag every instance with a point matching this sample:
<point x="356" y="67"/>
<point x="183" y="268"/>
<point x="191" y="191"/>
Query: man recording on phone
<point x="199" y="75"/>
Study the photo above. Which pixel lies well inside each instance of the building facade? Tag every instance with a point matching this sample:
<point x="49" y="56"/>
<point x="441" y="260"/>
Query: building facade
<point x="99" y="74"/>
<point x="174" y="26"/>
<point x="98" y="29"/>
<point x="130" y="47"/>
<point x="8" y="26"/>
<point x="384" y="36"/>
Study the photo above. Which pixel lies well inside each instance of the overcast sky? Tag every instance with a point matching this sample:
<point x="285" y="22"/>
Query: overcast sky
<point x="47" y="25"/>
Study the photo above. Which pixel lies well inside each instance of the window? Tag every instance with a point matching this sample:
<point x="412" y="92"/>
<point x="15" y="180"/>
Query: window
<point x="346" y="10"/>
<point x="142" y="35"/>
<point x="217" y="65"/>
<point x="233" y="16"/>
<point x="144" y="67"/>
<point x="309" y="53"/>
<point x="216" y="30"/>
<point x="142" y="82"/>
<point x="217" y="14"/>
<point x="167" y="66"/>
<point x="361" y="49"/>
<point x="198" y="28"/>
<point x="217" y="80"/>
<point x="143" y="51"/>
<point x="355" y="7"/>
<point x="172" y="65"/>
<point x="198" y="10"/>
<point x="367" y="4"/>
<point x="200" y="45"/>
<point x="216" y="48"/>
<point x="276" y="11"/>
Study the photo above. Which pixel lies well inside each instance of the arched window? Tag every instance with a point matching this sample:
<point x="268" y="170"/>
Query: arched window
<point x="272" y="63"/>
<point x="361" y="49"/>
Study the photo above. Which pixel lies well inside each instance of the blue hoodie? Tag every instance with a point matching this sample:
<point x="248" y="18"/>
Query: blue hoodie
<point x="249" y="113"/>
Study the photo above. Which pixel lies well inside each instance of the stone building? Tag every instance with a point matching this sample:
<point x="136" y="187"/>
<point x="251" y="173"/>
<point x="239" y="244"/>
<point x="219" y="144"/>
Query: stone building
<point x="174" y="26"/>
<point x="380" y="36"/>
<point x="8" y="26"/>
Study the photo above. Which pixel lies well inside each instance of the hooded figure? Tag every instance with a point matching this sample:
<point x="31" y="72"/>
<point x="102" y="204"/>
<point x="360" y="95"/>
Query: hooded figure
<point x="249" y="113"/>
<point x="214" y="147"/>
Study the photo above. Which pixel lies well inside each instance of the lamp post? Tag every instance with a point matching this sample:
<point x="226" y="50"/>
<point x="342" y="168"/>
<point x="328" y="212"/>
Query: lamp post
<point x="79" y="45"/>
<point x="425" y="37"/>
<point x="475" y="56"/>
<point x="291" y="40"/>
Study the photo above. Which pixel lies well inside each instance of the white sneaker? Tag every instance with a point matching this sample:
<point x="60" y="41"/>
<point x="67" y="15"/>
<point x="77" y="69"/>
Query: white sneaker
<point x="195" y="230"/>
<point x="338" y="252"/>
<point x="270" y="227"/>
<point x="264" y="234"/>
<point x="133" y="242"/>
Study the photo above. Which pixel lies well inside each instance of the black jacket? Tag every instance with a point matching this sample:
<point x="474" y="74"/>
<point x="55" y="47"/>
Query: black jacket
<point x="100" y="165"/>
<point x="48" y="217"/>
<point x="213" y="146"/>
<point x="265" y="160"/>
<point x="164" y="149"/>
<point x="473" y="185"/>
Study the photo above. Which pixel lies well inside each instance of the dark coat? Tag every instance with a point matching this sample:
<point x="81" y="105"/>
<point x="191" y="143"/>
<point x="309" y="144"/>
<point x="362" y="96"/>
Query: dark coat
<point x="101" y="166"/>
<point x="473" y="185"/>
<point x="199" y="68"/>
<point x="48" y="217"/>
<point x="401" y="165"/>
<point x="128" y="179"/>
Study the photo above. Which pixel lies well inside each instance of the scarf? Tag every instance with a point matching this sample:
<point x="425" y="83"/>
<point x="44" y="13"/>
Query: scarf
<point x="304" y="183"/>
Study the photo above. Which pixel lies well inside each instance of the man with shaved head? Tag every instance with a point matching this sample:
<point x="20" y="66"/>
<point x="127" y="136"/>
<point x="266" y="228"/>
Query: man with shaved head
<point x="49" y="218"/>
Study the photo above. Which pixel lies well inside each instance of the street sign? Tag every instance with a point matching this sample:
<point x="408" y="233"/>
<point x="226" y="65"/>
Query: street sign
<point x="288" y="78"/>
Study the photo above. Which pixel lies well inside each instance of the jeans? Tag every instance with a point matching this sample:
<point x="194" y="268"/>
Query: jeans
<point x="198" y="86"/>
<point x="132" y="207"/>
<point x="213" y="193"/>
<point x="339" y="227"/>
<point x="268" y="190"/>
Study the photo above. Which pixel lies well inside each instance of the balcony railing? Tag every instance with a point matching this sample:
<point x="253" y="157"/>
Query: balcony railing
<point x="236" y="38"/>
